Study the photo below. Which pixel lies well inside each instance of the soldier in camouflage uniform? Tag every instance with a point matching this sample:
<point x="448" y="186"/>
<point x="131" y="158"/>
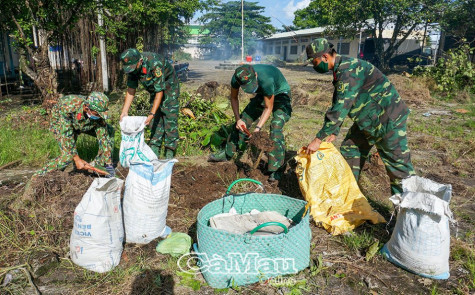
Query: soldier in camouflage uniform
<point x="367" y="96"/>
<point x="158" y="77"/>
<point x="272" y="97"/>
<point x="76" y="114"/>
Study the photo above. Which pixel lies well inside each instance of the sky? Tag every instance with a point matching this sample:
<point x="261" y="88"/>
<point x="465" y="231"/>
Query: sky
<point x="280" y="11"/>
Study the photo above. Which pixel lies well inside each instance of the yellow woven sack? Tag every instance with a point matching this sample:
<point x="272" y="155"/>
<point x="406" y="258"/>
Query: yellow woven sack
<point x="330" y="188"/>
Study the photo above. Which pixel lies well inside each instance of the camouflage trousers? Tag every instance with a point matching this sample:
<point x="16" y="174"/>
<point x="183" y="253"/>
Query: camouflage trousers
<point x="165" y="124"/>
<point x="280" y="115"/>
<point x="104" y="154"/>
<point x="392" y="148"/>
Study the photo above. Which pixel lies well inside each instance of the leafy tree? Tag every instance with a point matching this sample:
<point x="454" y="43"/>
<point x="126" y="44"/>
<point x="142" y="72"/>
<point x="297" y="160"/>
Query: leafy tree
<point x="312" y="16"/>
<point x="459" y="20"/>
<point x="224" y="23"/>
<point x="346" y="18"/>
<point x="158" y="25"/>
<point x="45" y="22"/>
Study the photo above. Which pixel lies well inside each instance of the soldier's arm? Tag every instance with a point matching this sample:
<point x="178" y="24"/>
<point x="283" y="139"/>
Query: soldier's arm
<point x="268" y="106"/>
<point x="129" y="97"/>
<point x="67" y="143"/>
<point x="132" y="84"/>
<point x="346" y="91"/>
<point x="105" y="142"/>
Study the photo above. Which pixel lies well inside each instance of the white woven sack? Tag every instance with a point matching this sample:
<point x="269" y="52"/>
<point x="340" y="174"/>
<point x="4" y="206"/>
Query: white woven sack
<point x="147" y="187"/>
<point x="147" y="190"/>
<point x="132" y="147"/>
<point x="420" y="241"/>
<point x="98" y="231"/>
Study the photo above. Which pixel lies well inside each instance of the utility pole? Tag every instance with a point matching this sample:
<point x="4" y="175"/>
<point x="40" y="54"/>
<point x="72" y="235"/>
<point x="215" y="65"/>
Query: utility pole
<point x="102" y="46"/>
<point x="242" y="30"/>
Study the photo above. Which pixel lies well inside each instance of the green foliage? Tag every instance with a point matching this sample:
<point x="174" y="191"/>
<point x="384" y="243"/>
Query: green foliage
<point x="459" y="20"/>
<point x="317" y="266"/>
<point x="188" y="280"/>
<point x="224" y="23"/>
<point x="358" y="241"/>
<point x="15" y="132"/>
<point x="453" y="73"/>
<point x="467" y="257"/>
<point x="347" y="18"/>
<point x="210" y="127"/>
<point x="314" y="15"/>
<point x="131" y="18"/>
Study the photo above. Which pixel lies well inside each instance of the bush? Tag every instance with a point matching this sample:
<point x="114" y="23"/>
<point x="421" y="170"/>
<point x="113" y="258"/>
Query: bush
<point x="453" y="73"/>
<point x="210" y="127"/>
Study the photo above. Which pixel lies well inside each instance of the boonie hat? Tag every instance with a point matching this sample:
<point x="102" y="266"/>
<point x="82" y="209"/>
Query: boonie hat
<point x="98" y="102"/>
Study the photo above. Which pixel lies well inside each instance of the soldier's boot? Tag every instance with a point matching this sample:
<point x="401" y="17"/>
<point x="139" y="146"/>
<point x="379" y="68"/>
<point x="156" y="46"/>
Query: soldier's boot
<point x="156" y="150"/>
<point x="218" y="157"/>
<point x="169" y="153"/>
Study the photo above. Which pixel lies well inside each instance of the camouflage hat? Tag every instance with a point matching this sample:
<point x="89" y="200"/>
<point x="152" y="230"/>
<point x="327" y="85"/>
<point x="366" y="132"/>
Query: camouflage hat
<point x="317" y="48"/>
<point x="246" y="78"/>
<point x="130" y="58"/>
<point x="98" y="102"/>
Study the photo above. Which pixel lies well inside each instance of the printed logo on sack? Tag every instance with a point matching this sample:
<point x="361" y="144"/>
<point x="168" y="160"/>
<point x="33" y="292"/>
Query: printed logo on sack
<point x="235" y="263"/>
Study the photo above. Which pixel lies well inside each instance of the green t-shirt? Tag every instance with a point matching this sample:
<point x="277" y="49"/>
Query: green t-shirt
<point x="270" y="81"/>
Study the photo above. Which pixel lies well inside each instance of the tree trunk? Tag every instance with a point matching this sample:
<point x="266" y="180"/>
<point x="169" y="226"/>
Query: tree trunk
<point x="42" y="74"/>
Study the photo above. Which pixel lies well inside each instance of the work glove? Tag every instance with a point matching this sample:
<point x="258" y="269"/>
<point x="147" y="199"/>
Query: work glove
<point x="111" y="170"/>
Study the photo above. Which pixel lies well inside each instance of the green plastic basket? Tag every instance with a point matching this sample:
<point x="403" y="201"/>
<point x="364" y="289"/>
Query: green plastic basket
<point x="226" y="259"/>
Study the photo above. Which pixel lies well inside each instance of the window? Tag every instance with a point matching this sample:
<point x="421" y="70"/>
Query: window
<point x="303" y="48"/>
<point x="343" y="48"/>
<point x="264" y="49"/>
<point x="293" y="40"/>
<point x="293" y="49"/>
<point x="303" y="40"/>
<point x="277" y="49"/>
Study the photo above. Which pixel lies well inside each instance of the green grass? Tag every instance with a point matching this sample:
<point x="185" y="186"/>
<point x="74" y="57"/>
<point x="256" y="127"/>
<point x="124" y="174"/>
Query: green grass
<point x="358" y="241"/>
<point x="20" y="140"/>
<point x="466" y="256"/>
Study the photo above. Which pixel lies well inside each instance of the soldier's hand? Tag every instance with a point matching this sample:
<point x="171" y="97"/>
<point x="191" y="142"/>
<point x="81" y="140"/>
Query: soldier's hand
<point x="149" y="119"/>
<point x="313" y="146"/>
<point x="80" y="163"/>
<point x="240" y="124"/>
<point x="330" y="138"/>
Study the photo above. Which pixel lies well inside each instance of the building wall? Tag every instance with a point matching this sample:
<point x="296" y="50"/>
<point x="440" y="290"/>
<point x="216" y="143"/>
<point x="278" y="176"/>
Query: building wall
<point x="295" y="47"/>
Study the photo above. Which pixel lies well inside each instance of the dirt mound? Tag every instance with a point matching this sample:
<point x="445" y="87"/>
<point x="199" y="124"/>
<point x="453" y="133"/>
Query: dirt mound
<point x="212" y="89"/>
<point x="262" y="141"/>
<point x="412" y="91"/>
<point x="60" y="191"/>
<point x="312" y="93"/>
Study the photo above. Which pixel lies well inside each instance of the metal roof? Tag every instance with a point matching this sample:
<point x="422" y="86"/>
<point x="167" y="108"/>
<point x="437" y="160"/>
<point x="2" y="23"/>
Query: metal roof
<point x="291" y="34"/>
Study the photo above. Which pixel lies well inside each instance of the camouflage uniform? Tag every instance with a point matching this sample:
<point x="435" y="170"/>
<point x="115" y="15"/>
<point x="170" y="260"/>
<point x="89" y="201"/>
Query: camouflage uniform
<point x="68" y="121"/>
<point x="155" y="75"/>
<point x="270" y="81"/>
<point x="367" y="96"/>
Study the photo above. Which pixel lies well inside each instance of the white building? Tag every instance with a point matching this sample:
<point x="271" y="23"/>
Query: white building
<point x="290" y="46"/>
